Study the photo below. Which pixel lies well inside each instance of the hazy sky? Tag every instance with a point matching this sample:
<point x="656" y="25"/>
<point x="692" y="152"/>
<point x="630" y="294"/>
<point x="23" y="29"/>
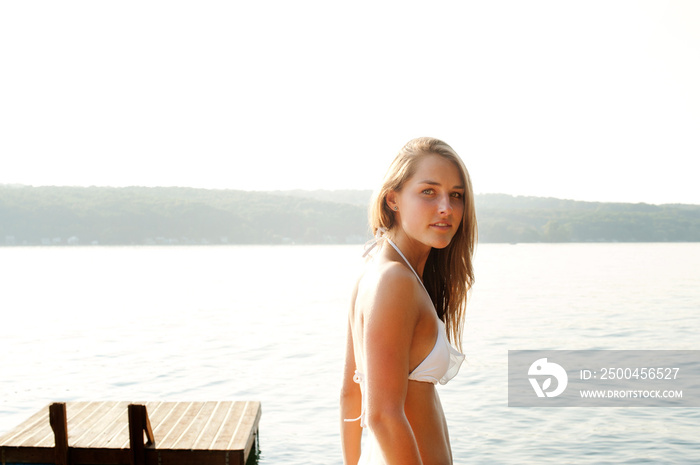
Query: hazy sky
<point x="588" y="100"/>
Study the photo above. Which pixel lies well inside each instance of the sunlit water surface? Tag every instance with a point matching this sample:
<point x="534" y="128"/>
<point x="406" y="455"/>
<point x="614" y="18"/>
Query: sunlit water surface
<point x="268" y="323"/>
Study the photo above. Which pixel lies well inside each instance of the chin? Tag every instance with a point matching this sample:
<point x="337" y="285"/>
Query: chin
<point x="441" y="243"/>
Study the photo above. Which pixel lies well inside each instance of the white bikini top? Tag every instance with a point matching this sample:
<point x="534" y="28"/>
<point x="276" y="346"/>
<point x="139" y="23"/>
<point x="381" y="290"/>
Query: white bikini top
<point x="439" y="366"/>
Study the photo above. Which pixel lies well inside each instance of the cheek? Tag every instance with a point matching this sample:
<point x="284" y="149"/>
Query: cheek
<point x="417" y="213"/>
<point x="458" y="210"/>
<point x="417" y="205"/>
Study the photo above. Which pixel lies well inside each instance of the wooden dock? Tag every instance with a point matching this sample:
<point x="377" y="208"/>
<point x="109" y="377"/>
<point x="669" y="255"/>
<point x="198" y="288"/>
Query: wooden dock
<point x="123" y="433"/>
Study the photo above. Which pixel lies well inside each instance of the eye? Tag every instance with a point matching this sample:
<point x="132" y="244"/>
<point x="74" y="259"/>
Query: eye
<point x="428" y="191"/>
<point x="457" y="195"/>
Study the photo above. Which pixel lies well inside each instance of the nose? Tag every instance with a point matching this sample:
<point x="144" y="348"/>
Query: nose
<point x="445" y="205"/>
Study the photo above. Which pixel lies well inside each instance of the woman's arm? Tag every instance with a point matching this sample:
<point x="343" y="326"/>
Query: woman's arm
<point x="388" y="333"/>
<point x="350" y="406"/>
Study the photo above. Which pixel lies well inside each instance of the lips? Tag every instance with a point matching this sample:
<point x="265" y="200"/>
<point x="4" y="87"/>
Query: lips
<point x="441" y="224"/>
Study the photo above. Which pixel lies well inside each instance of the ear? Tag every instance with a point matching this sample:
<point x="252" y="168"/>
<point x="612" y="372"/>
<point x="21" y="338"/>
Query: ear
<point x="391" y="200"/>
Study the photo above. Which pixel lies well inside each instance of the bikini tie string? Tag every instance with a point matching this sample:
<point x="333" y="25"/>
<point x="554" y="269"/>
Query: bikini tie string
<point x="359" y="378"/>
<point x="378" y="239"/>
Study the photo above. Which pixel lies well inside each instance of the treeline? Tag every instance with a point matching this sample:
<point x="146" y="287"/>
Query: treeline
<point x="174" y="215"/>
<point x="503" y="218"/>
<point x="171" y="215"/>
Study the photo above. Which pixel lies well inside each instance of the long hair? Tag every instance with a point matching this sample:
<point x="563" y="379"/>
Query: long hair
<point x="449" y="273"/>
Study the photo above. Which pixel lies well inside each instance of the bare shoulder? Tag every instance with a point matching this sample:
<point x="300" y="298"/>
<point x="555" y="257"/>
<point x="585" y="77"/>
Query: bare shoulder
<point x="389" y="289"/>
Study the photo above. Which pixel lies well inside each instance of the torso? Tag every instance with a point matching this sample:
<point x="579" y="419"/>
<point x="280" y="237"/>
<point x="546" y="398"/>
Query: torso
<point x="424" y="412"/>
<point x="422" y="405"/>
<point x="425" y="331"/>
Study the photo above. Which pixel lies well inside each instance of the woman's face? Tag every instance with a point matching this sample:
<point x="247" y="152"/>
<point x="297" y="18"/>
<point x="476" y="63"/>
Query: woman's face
<point x="431" y="203"/>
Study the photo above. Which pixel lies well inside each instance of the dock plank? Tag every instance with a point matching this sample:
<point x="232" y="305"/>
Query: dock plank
<point x="93" y="417"/>
<point x="117" y="434"/>
<point x="170" y="415"/>
<point x="158" y="413"/>
<point x="192" y="430"/>
<point x="13" y="437"/>
<point x="166" y="421"/>
<point x="102" y="427"/>
<point x="33" y="433"/>
<point x="246" y="427"/>
<point x="228" y="428"/>
<point x="209" y="432"/>
<point x="43" y="435"/>
<point x="170" y="440"/>
<point x="186" y="433"/>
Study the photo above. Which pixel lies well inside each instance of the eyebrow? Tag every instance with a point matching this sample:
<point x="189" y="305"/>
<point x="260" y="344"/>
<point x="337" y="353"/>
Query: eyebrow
<point x="435" y="183"/>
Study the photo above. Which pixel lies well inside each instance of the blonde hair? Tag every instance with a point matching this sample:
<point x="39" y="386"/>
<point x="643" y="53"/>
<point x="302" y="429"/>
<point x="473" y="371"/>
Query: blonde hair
<point x="449" y="272"/>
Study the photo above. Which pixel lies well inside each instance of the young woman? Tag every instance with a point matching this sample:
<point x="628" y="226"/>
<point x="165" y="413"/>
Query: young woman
<point x="407" y="308"/>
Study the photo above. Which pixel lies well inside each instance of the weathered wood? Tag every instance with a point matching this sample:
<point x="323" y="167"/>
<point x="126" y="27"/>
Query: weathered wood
<point x="48" y="439"/>
<point x="177" y="422"/>
<point x="115" y="423"/>
<point x="83" y="456"/>
<point x="94" y="419"/>
<point x="59" y="424"/>
<point x="138" y="425"/>
<point x="40" y="434"/>
<point x="38" y="420"/>
<point x="209" y="432"/>
<point x="246" y="428"/>
<point x="27" y="454"/>
<point x="228" y="427"/>
<point x="185" y="433"/>
<point x="195" y="425"/>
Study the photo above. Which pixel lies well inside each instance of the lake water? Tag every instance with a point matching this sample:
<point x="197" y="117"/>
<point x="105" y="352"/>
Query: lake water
<point x="268" y="323"/>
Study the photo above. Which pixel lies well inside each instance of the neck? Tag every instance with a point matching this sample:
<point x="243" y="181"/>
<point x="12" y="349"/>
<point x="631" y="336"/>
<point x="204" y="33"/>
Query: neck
<point x="415" y="252"/>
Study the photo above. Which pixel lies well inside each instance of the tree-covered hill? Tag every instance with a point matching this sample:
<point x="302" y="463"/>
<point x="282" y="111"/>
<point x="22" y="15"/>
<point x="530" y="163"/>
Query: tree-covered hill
<point x="175" y="215"/>
<point x="171" y="215"/>
<point x="503" y="218"/>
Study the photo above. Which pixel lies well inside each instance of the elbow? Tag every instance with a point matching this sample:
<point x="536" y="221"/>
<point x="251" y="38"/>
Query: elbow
<point x="349" y="394"/>
<point x="384" y="419"/>
<point x="350" y="403"/>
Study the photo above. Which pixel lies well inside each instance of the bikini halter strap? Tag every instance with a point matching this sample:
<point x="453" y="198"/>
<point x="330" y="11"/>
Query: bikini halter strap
<point x="379" y="237"/>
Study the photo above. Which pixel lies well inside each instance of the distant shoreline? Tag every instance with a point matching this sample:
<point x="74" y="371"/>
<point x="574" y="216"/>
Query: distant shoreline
<point x="134" y="216"/>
